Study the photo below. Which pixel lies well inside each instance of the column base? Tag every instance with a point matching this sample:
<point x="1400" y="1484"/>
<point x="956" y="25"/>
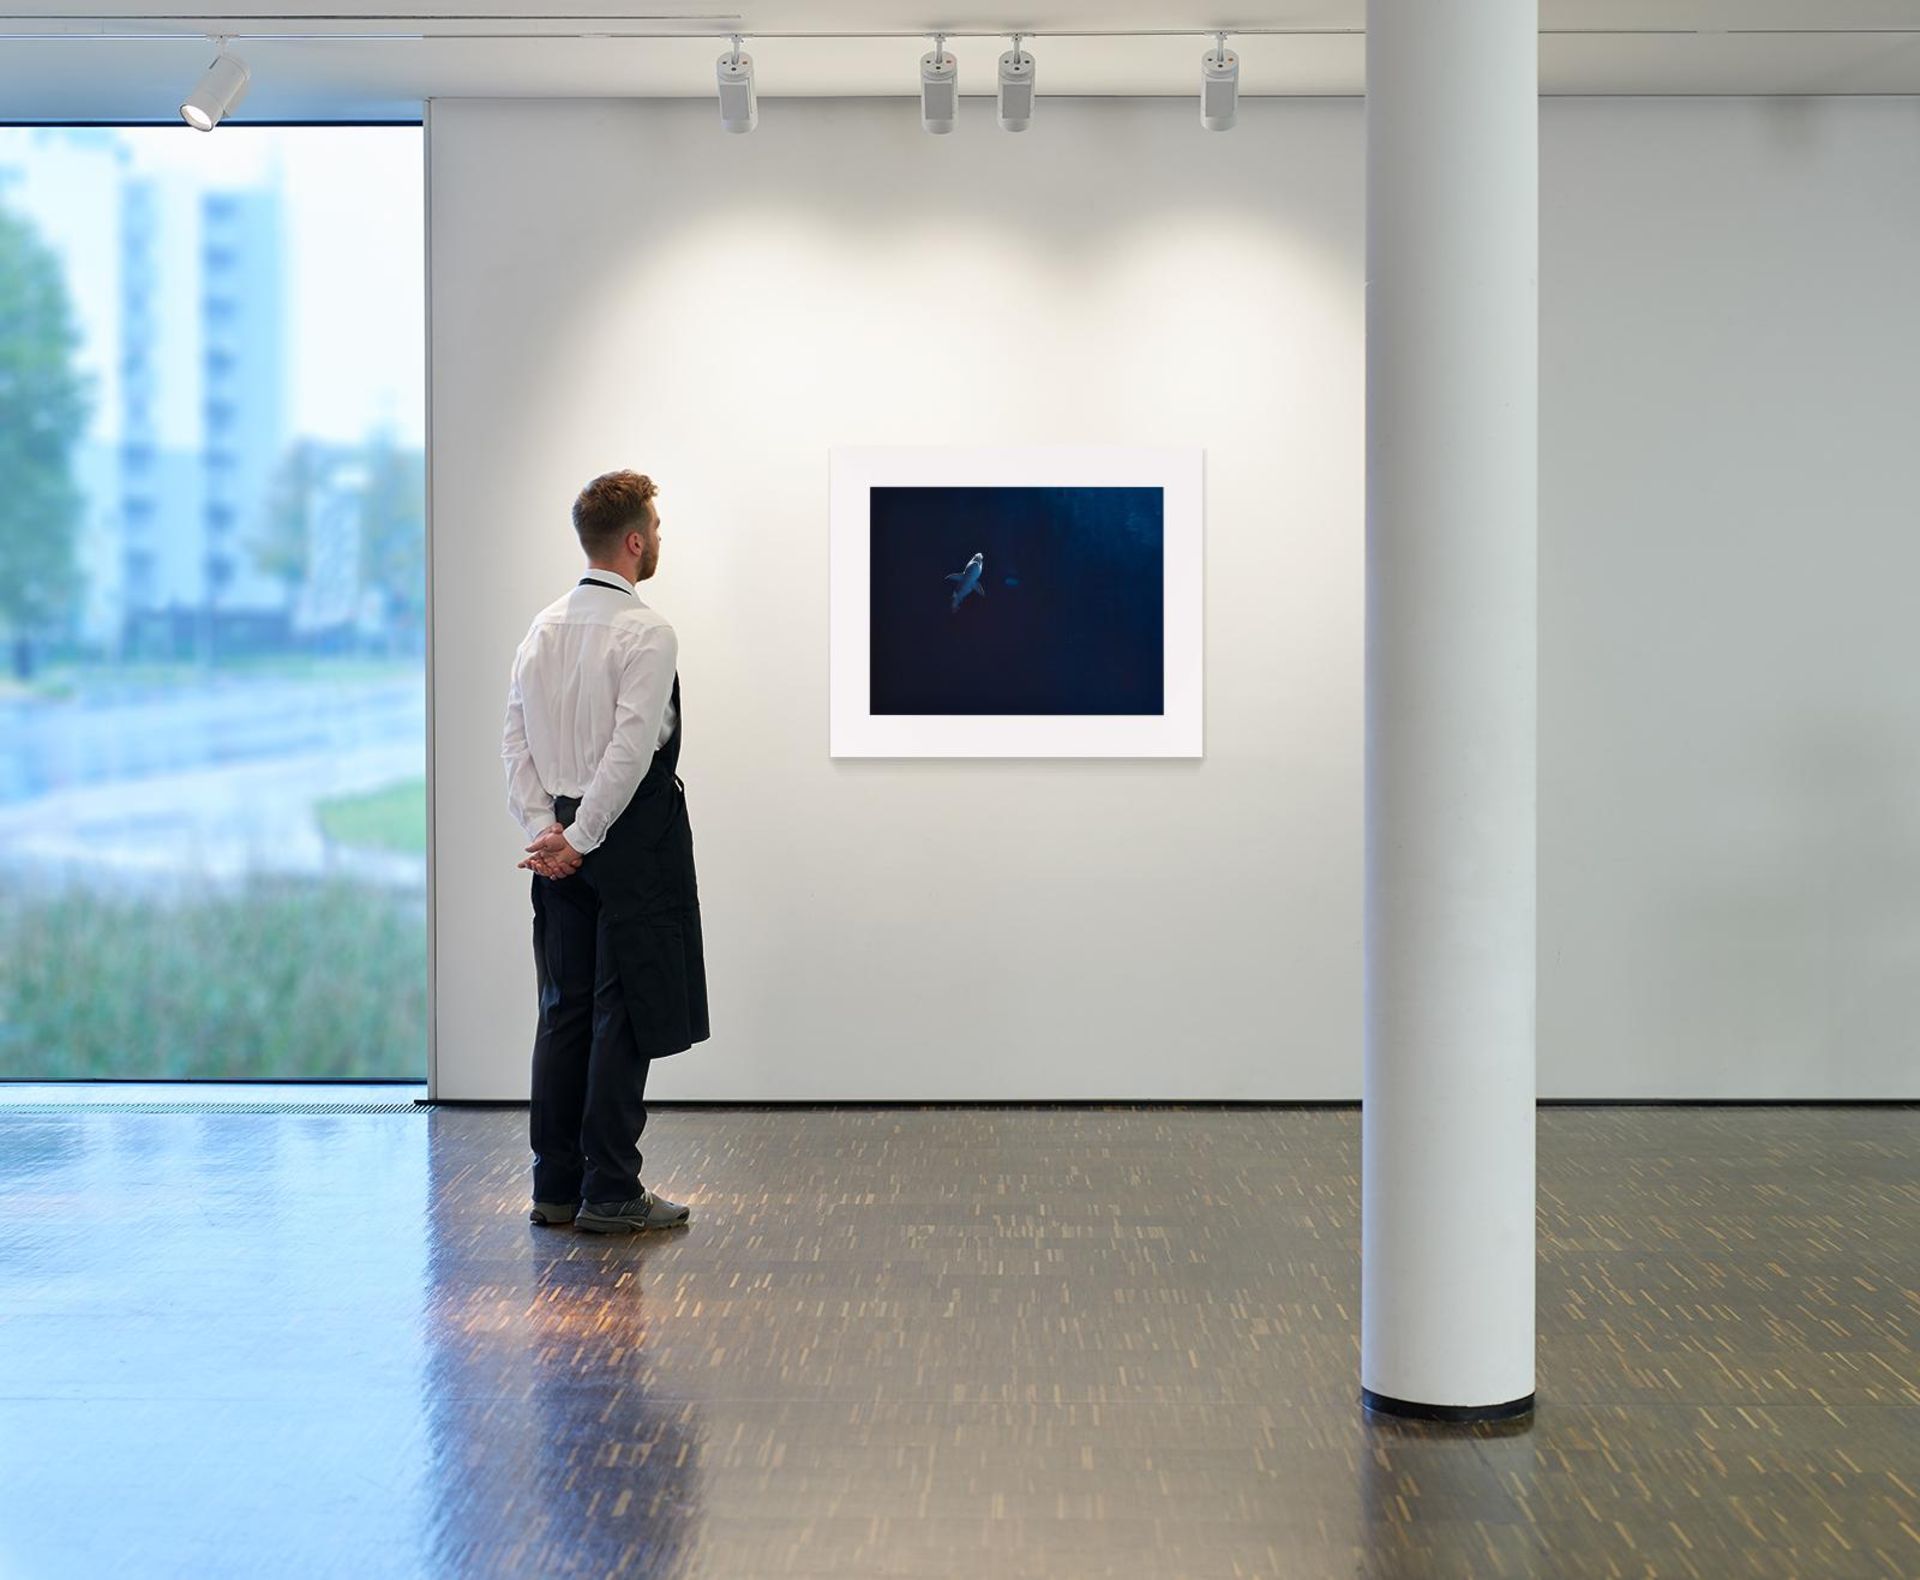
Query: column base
<point x="1381" y="1404"/>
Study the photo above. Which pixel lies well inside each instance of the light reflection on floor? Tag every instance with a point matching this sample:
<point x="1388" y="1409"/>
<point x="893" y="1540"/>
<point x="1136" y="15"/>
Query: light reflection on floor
<point x="926" y="1342"/>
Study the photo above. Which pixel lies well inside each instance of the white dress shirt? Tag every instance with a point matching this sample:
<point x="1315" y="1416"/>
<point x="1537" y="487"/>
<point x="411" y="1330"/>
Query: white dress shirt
<point x="590" y="702"/>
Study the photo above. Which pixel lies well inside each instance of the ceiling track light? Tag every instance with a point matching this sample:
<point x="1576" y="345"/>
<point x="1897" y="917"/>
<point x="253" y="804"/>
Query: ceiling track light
<point x="739" y="106"/>
<point x="1219" y="86"/>
<point x="218" y="92"/>
<point x="939" y="88"/>
<point x="1016" y="88"/>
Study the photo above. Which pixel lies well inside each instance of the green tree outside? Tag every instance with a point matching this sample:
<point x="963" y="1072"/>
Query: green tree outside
<point x="394" y="535"/>
<point x="281" y="551"/>
<point x="389" y="485"/>
<point x="44" y="403"/>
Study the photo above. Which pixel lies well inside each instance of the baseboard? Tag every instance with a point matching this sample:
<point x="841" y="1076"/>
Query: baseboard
<point x="770" y="1104"/>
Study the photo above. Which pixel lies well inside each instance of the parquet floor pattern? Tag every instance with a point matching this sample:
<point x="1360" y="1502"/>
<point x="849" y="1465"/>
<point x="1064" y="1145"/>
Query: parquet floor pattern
<point x="922" y="1342"/>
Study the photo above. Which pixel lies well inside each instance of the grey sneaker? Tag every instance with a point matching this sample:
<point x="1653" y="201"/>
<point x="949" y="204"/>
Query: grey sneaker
<point x="645" y="1211"/>
<point x="554" y="1214"/>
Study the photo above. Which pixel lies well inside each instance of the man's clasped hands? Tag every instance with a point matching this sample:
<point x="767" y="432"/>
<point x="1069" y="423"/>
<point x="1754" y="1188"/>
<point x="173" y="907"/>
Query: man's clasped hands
<point x="551" y="856"/>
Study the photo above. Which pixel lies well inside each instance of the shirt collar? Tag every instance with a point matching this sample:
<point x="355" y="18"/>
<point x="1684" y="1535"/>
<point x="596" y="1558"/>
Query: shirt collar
<point x="611" y="579"/>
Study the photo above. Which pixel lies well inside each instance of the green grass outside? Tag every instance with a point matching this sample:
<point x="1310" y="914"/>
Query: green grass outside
<point x="391" y="819"/>
<point x="284" y="979"/>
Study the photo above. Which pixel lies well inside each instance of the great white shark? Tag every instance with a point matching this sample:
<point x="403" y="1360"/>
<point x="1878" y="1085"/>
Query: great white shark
<point x="969" y="580"/>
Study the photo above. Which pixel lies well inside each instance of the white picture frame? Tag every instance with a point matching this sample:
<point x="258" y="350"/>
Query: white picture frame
<point x="855" y="731"/>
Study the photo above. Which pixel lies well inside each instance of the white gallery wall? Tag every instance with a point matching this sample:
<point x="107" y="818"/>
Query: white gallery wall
<point x="1730" y="598"/>
<point x="1730" y="773"/>
<point x="623" y="284"/>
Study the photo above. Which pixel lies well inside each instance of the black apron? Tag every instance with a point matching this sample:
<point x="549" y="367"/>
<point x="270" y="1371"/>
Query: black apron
<point x="650" y="903"/>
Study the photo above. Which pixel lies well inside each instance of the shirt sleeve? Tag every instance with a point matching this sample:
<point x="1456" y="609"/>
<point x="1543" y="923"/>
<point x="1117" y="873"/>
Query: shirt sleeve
<point x="646" y="687"/>
<point x="527" y="799"/>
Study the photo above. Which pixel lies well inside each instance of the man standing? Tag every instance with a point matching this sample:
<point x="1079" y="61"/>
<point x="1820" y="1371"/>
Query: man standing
<point x="591" y="744"/>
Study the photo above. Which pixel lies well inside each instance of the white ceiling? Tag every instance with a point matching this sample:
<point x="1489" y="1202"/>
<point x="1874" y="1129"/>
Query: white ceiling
<point x="60" y="61"/>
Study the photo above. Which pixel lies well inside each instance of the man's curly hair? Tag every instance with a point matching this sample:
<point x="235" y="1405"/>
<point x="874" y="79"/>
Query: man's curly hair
<point x="608" y="508"/>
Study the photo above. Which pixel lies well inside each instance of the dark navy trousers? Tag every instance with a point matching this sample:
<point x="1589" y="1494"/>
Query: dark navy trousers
<point x="589" y="1077"/>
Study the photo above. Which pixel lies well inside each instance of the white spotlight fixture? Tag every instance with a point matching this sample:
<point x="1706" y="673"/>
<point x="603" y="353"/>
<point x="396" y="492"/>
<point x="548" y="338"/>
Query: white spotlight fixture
<point x="939" y="87"/>
<point x="221" y="87"/>
<point x="739" y="107"/>
<point x="1016" y="88"/>
<point x="1219" y="86"/>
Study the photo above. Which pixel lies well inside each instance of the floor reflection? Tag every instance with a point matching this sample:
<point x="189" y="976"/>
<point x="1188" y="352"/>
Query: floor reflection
<point x="973" y="1345"/>
<point x="1438" y="1498"/>
<point x="210" y="1344"/>
<point x="556" y="1447"/>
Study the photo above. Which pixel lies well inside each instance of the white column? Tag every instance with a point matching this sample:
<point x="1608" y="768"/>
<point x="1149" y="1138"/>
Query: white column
<point x="1447" y="1175"/>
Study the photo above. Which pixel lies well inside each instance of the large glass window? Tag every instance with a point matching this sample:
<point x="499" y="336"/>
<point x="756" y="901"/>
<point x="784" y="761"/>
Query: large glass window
<point x="212" y="603"/>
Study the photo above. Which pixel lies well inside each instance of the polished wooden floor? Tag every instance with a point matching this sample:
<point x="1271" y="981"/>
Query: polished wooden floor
<point x="934" y="1343"/>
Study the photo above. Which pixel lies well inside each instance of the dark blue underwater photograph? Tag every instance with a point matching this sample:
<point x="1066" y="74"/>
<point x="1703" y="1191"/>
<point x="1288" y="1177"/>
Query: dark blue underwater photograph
<point x="1017" y="600"/>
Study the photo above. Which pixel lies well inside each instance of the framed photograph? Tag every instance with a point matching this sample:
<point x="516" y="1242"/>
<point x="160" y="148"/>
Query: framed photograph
<point x="1016" y="602"/>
